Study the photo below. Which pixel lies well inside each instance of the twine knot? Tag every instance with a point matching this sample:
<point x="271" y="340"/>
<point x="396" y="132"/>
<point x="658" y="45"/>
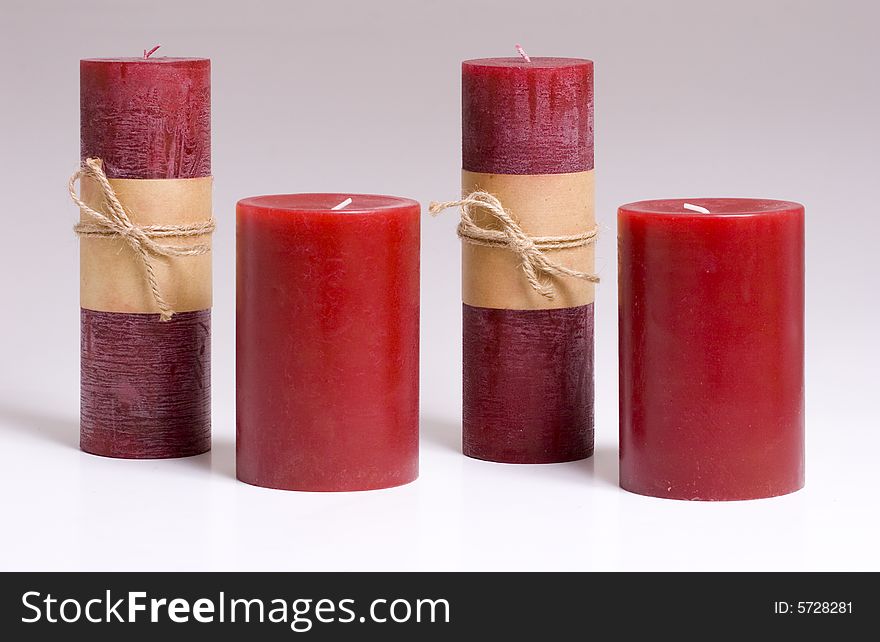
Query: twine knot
<point x="530" y="249"/>
<point x="115" y="222"/>
<point x="522" y="246"/>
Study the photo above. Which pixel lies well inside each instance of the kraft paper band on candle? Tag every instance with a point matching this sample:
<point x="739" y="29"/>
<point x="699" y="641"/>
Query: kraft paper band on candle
<point x="112" y="274"/>
<point x="543" y="205"/>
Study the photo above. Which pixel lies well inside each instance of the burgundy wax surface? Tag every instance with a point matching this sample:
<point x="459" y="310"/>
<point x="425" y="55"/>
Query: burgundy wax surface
<point x="147" y="118"/>
<point x="528" y="384"/>
<point x="327" y="342"/>
<point x="145" y="385"/>
<point x="528" y="374"/>
<point x="711" y="348"/>
<point x="523" y="117"/>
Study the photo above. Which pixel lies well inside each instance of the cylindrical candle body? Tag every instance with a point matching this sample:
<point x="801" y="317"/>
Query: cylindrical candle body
<point x="145" y="384"/>
<point x="328" y="342"/>
<point x="711" y="348"/>
<point x="527" y="138"/>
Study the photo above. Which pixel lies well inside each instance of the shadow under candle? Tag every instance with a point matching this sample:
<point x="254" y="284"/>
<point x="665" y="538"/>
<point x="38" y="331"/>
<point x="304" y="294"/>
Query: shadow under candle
<point x="33" y="422"/>
<point x="219" y="460"/>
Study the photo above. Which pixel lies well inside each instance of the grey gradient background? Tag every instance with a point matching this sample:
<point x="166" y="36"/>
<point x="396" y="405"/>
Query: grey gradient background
<point x="772" y="98"/>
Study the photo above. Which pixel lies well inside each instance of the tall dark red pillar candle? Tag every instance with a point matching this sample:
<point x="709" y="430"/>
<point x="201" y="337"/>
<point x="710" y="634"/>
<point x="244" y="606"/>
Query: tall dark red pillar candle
<point x="527" y="138"/>
<point x="145" y="384"/>
<point x="711" y="348"/>
<point x="327" y="341"/>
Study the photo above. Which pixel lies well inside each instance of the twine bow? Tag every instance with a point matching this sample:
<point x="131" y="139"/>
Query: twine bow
<point x="530" y="249"/>
<point x="115" y="222"/>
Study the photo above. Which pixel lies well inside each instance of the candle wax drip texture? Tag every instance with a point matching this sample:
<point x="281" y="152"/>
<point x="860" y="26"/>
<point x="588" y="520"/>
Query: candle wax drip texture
<point x="147" y="118"/>
<point x="527" y="118"/>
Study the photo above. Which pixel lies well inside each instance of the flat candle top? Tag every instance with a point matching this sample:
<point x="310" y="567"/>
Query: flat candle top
<point x="157" y="60"/>
<point x="535" y="62"/>
<point x="718" y="207"/>
<point x="324" y="203"/>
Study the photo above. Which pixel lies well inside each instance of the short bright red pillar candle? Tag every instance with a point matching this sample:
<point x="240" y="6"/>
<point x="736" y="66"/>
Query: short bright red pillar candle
<point x="327" y="342"/>
<point x="711" y="348"/>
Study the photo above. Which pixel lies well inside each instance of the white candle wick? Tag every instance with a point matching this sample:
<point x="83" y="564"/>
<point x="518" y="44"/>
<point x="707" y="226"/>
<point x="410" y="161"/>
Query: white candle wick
<point x="696" y="208"/>
<point x="344" y="203"/>
<point x="149" y="53"/>
<point x="522" y="52"/>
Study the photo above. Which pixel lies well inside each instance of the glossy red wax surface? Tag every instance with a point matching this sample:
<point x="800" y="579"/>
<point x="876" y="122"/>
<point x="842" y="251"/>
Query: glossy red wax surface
<point x="711" y="348"/>
<point x="523" y="117"/>
<point x="146" y="384"/>
<point x="147" y="118"/>
<point x="327" y="342"/>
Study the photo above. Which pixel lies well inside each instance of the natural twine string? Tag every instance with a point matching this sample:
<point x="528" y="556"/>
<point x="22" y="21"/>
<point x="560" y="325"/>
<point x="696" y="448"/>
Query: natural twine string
<point x="115" y="222"/>
<point x="531" y="249"/>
